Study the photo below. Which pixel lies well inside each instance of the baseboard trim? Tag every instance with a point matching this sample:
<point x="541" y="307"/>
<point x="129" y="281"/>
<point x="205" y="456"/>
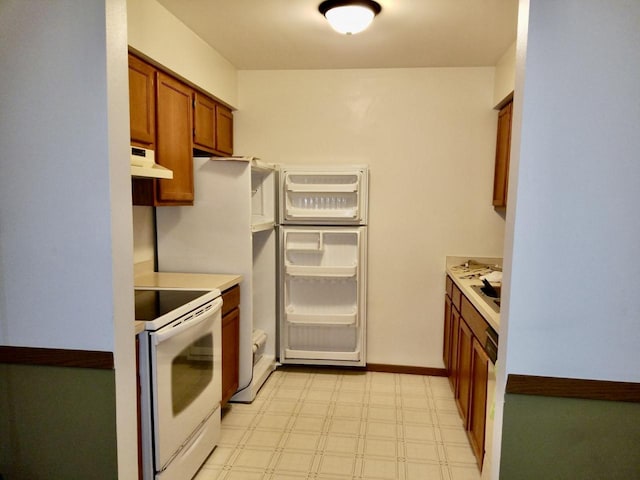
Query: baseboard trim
<point x="406" y="369"/>
<point x="56" y="357"/>
<point x="371" y="367"/>
<point x="573" y="388"/>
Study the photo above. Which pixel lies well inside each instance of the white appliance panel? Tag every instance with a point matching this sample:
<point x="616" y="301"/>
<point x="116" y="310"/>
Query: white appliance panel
<point x="195" y="451"/>
<point x="186" y="373"/>
<point x="323" y="295"/>
<point x="335" y="195"/>
<point x="230" y="229"/>
<point x="320" y="295"/>
<point x="322" y="339"/>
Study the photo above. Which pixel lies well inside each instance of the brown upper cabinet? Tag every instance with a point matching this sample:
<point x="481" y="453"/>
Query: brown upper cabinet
<point x="178" y="122"/>
<point x="224" y="130"/>
<point x="503" y="147"/>
<point x="213" y="126"/>
<point x="142" y="103"/>
<point x="173" y="143"/>
<point x="204" y="122"/>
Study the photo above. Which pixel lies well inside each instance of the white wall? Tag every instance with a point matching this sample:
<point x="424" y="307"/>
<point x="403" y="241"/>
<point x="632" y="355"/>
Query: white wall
<point x="505" y="75"/>
<point x="121" y="253"/>
<point x="65" y="195"/>
<point x="143" y="234"/>
<point x="157" y="33"/>
<point x="573" y="304"/>
<point x="429" y="138"/>
<point x="55" y="187"/>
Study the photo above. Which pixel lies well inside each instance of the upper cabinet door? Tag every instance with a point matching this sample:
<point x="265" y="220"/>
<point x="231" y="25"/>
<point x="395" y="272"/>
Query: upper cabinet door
<point x="213" y="126"/>
<point x="142" y="103"/>
<point x="503" y="148"/>
<point x="224" y="130"/>
<point x="174" y="146"/>
<point x="204" y="122"/>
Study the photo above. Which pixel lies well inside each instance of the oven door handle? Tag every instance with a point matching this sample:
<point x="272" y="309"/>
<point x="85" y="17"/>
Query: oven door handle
<point x="161" y="336"/>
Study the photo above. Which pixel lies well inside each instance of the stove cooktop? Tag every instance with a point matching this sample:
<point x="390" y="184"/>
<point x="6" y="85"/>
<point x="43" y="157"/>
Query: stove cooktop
<point x="152" y="304"/>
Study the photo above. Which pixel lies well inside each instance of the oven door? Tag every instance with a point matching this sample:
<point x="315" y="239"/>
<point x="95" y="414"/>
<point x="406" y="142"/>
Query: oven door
<point x="186" y="378"/>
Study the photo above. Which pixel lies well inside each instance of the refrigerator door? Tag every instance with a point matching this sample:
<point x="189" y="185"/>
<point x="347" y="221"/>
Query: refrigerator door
<point x="324" y="196"/>
<point x="323" y="295"/>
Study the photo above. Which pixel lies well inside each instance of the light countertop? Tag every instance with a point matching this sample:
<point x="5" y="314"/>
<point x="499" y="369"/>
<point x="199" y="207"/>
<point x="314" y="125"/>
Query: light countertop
<point x="464" y="284"/>
<point x="195" y="281"/>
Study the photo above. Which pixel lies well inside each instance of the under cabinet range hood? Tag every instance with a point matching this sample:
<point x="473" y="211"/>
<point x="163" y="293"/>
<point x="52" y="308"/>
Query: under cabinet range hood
<point x="143" y="164"/>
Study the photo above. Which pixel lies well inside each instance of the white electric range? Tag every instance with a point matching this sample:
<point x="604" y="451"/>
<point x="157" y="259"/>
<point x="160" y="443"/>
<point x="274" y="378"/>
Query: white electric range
<point x="180" y="379"/>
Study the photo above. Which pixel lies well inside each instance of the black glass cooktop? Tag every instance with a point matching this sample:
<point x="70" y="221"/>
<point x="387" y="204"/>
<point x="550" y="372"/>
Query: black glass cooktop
<point x="151" y="304"/>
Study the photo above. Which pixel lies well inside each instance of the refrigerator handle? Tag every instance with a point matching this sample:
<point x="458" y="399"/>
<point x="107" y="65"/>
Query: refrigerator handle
<point x="320" y="241"/>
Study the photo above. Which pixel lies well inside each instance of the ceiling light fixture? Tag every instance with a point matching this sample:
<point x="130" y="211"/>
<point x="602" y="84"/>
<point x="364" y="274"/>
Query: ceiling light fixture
<point x="349" y="16"/>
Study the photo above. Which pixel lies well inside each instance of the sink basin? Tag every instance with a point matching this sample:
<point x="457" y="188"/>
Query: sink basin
<point x="495" y="293"/>
<point x="491" y="301"/>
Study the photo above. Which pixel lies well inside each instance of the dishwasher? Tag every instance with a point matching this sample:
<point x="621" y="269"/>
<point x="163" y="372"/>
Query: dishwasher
<point x="491" y="347"/>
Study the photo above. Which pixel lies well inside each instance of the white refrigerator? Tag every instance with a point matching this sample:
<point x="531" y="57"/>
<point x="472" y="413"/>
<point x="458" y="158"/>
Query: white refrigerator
<point x="322" y="267"/>
<point x="231" y="229"/>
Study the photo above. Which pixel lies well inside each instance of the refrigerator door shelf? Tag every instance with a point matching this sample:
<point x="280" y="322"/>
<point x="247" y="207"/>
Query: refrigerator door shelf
<point x="319" y="188"/>
<point x="304" y="248"/>
<point x="328" y="309"/>
<point x="259" y="224"/>
<point x="340" y="319"/>
<point x="321" y="271"/>
<point x="340" y="339"/>
<point x="322" y="355"/>
<point x="324" y="195"/>
<point x="321" y="294"/>
<point x="341" y="245"/>
<point x="304" y="241"/>
<point x="318" y="176"/>
<point x="302" y="213"/>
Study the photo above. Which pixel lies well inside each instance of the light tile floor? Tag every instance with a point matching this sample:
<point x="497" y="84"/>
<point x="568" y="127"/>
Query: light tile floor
<point x="319" y="424"/>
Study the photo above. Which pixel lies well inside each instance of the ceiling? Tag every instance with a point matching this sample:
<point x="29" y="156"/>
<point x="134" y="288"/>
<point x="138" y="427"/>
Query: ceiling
<point x="292" y="34"/>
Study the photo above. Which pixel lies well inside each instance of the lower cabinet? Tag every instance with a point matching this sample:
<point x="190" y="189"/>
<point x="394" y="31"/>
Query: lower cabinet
<point x="230" y="343"/>
<point x="446" y="344"/>
<point x="467" y="365"/>
<point x="478" y="399"/>
<point x="455" y="334"/>
<point x="464" y="378"/>
<point x="451" y="328"/>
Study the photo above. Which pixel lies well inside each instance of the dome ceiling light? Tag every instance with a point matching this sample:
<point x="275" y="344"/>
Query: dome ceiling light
<point x="349" y="17"/>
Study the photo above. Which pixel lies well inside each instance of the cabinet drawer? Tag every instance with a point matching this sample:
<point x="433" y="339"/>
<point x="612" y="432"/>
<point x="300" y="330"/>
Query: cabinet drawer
<point x="475" y="321"/>
<point x="230" y="299"/>
<point x="449" y="286"/>
<point x="456" y="296"/>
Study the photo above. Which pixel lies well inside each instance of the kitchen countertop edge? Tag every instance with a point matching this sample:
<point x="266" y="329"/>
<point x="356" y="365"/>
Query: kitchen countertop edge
<point x="196" y="281"/>
<point x="492" y="318"/>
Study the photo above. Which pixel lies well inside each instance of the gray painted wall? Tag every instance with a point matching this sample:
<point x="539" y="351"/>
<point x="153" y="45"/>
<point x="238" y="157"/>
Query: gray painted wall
<point x="563" y="438"/>
<point x="57" y="423"/>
